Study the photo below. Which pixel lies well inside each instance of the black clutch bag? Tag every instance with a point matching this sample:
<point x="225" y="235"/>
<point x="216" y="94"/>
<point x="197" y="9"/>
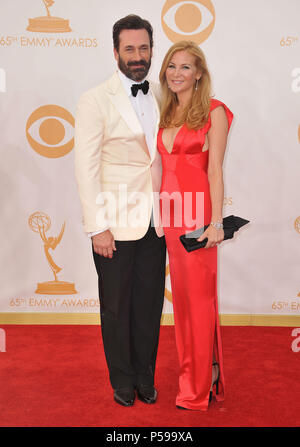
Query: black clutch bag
<point x="230" y="225"/>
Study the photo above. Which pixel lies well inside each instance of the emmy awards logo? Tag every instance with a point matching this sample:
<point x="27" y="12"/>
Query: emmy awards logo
<point x="40" y="223"/>
<point x="48" y="24"/>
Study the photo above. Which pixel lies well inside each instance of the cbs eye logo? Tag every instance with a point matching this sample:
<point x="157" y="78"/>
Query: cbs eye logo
<point x="188" y="20"/>
<point x="53" y="126"/>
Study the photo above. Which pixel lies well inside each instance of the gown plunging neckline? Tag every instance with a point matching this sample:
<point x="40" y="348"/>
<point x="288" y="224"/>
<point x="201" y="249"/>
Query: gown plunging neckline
<point x="174" y="141"/>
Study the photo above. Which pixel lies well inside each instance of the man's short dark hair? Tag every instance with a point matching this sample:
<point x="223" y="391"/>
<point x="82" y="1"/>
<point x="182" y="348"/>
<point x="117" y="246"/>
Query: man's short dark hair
<point x="131" y="21"/>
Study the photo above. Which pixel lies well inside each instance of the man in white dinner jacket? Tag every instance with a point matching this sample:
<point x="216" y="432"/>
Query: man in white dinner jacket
<point x="117" y="170"/>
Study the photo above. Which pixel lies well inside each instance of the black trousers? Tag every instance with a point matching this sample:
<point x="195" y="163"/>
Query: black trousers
<point x="131" y="292"/>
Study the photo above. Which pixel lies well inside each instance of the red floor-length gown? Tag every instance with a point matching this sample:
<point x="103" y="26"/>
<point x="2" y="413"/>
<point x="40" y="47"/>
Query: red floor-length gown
<point x="193" y="275"/>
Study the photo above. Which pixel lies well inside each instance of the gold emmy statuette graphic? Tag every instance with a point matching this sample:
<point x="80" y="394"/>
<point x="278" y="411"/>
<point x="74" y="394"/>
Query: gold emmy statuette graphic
<point x="40" y="223"/>
<point x="48" y="24"/>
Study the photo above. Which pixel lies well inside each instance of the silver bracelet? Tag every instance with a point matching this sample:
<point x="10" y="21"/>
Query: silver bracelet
<point x="217" y="225"/>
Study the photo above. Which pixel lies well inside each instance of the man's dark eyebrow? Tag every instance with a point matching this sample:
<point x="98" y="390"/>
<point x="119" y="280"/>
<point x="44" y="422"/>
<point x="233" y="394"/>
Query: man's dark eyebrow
<point x="144" y="45"/>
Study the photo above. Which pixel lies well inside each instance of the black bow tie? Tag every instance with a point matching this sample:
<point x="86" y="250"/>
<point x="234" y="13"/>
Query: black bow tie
<point x="144" y="87"/>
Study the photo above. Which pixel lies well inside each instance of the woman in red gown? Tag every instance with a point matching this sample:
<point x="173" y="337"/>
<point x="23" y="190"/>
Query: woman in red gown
<point x="192" y="141"/>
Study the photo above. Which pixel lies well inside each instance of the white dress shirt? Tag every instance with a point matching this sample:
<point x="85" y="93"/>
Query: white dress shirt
<point x="144" y="107"/>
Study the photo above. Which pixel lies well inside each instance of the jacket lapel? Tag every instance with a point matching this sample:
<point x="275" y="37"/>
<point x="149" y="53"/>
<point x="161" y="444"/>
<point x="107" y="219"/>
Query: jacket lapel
<point x="119" y="98"/>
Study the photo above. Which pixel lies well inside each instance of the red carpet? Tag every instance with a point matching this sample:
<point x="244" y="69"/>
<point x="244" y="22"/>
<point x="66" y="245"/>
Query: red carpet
<point x="55" y="376"/>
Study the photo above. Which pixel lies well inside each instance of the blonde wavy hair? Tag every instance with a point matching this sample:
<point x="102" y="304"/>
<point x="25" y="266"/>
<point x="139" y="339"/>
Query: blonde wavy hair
<point x="196" y="112"/>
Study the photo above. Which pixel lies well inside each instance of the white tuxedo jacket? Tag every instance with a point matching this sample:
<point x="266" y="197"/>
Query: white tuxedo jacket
<point x="115" y="173"/>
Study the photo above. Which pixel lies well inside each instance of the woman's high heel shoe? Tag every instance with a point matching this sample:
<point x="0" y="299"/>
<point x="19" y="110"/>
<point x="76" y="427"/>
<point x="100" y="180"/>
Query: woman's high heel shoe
<point x="216" y="382"/>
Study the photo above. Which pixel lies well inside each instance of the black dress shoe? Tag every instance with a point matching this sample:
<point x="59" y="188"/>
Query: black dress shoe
<point x="124" y="396"/>
<point x="146" y="393"/>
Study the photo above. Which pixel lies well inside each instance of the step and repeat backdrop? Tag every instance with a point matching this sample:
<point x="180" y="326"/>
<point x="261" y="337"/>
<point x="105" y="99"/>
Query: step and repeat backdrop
<point x="53" y="51"/>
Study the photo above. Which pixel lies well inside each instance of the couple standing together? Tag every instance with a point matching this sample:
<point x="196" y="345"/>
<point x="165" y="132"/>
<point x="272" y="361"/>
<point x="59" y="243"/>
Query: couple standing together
<point x="132" y="134"/>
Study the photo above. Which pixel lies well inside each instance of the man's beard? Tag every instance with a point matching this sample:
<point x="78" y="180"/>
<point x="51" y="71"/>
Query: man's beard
<point x="136" y="74"/>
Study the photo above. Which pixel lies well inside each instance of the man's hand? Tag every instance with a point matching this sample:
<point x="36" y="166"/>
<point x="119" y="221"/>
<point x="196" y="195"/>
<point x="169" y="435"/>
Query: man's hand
<point x="104" y="244"/>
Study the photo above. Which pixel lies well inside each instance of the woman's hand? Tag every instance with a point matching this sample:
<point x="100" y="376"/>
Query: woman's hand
<point x="213" y="235"/>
